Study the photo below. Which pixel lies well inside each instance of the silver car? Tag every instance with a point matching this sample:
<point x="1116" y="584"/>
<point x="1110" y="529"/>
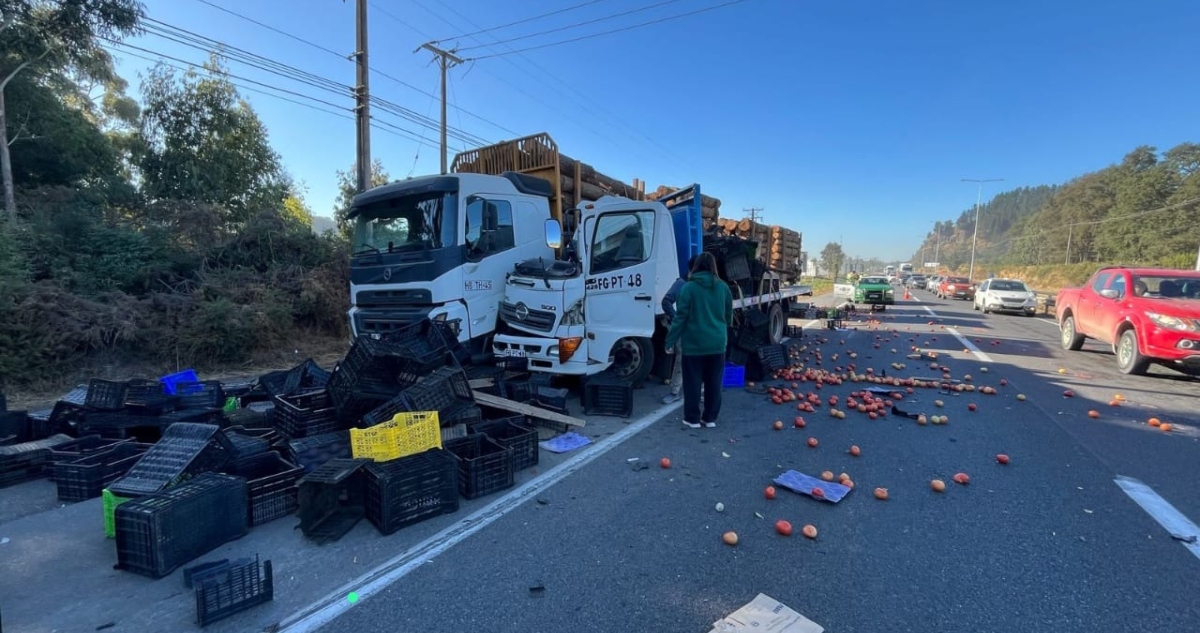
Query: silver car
<point x="1005" y="295"/>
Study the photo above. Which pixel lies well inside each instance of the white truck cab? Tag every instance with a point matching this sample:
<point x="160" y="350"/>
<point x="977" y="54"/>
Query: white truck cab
<point x="599" y="306"/>
<point x="440" y="247"/>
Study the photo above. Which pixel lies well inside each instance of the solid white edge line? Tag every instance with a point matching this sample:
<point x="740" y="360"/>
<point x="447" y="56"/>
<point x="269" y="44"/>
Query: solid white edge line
<point x="328" y="609"/>
<point x="1161" y="510"/>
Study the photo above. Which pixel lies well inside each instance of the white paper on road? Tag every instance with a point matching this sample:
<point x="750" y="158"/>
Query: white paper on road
<point x="767" y="615"/>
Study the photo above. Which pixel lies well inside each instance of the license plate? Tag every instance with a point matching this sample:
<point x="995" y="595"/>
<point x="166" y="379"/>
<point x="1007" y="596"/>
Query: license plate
<point x="514" y="353"/>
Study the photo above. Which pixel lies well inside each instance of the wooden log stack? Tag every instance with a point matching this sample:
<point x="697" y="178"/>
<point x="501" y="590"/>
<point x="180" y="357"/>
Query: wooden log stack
<point x="778" y="247"/>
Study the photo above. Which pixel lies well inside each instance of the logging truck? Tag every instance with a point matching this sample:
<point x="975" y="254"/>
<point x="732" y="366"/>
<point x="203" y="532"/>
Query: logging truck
<point x="598" y="307"/>
<point x="440" y="246"/>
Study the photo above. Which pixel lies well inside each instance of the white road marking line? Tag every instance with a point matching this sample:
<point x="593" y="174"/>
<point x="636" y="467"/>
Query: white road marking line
<point x="980" y="354"/>
<point x="1159" y="509"/>
<point x="969" y="345"/>
<point x="328" y="609"/>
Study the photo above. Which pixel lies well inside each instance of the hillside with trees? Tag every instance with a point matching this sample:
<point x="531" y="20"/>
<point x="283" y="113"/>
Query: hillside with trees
<point x="1140" y="211"/>
<point x="161" y="230"/>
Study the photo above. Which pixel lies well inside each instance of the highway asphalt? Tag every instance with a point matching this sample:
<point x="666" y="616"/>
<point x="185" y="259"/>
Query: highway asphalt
<point x="591" y="541"/>
<point x="1046" y="543"/>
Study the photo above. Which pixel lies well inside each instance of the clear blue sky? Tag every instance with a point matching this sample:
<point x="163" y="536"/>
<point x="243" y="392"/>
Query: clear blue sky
<point x="848" y="119"/>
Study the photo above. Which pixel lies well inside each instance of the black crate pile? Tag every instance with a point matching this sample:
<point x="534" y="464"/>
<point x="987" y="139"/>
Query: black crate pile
<point x="185" y="450"/>
<point x="27" y="460"/>
<point x="225" y="588"/>
<point x="744" y="340"/>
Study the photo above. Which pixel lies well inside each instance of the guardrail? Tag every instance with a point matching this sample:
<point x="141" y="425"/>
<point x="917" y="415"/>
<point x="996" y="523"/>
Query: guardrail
<point x="1047" y="302"/>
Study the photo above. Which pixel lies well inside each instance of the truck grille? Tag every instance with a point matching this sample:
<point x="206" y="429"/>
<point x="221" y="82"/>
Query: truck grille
<point x="537" y="319"/>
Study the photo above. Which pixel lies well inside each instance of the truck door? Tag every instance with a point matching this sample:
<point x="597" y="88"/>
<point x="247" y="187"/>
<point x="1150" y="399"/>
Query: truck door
<point x="620" y="285"/>
<point x="489" y="241"/>
<point x="1107" y="311"/>
<point x="1089" y="298"/>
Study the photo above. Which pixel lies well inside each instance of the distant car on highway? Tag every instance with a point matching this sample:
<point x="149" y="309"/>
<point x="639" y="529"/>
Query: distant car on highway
<point x="956" y="288"/>
<point x="918" y="281"/>
<point x="1148" y="315"/>
<point x="1005" y="295"/>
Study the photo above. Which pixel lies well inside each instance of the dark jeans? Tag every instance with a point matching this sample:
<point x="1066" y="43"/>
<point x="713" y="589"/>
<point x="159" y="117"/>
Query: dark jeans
<point x="707" y="372"/>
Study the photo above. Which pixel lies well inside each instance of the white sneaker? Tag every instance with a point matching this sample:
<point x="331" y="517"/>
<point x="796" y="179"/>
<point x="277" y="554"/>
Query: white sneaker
<point x="710" y="425"/>
<point x="691" y="425"/>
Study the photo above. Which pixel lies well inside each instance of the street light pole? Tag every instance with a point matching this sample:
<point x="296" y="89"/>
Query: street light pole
<point x="978" y="201"/>
<point x="937" y="250"/>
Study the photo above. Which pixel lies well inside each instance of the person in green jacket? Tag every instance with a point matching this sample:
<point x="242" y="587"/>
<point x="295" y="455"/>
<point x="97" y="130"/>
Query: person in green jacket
<point x="703" y="315"/>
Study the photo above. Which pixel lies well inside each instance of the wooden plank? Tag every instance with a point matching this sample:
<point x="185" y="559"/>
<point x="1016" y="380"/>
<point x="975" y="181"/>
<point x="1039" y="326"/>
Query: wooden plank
<point x="526" y="409"/>
<point x="482" y="382"/>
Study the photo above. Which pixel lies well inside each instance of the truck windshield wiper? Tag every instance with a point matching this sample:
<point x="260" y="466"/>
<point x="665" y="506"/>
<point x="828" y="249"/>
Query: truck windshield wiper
<point x="369" y="248"/>
<point x="545" y="272"/>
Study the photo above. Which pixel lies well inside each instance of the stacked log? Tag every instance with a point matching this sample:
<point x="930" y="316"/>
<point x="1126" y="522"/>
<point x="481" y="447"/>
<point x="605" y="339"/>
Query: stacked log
<point x="534" y="154"/>
<point x="710" y="207"/>
<point x="778" y="247"/>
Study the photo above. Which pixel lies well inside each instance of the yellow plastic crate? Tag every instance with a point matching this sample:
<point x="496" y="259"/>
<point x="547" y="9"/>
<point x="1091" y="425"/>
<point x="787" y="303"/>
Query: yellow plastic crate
<point x="111" y="502"/>
<point x="405" y="434"/>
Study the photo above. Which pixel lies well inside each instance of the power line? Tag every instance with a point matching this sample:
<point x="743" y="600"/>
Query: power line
<point x="347" y="57"/>
<point x="345" y="114"/>
<point x="585" y="101"/>
<point x="195" y="40"/>
<point x="271" y="28"/>
<point x="618" y="30"/>
<point x="579" y="24"/>
<point x="526" y="20"/>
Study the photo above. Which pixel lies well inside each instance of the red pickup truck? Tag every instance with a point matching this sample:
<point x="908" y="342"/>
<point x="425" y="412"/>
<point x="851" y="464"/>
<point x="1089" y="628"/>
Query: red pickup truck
<point x="1148" y="315"/>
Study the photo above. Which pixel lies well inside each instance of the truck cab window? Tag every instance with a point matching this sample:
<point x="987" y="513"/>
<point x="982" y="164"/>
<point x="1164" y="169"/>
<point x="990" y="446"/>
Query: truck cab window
<point x="489" y="227"/>
<point x="1100" y="281"/>
<point x="622" y="240"/>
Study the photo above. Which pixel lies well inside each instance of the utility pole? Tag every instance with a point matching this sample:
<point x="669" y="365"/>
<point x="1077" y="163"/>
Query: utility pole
<point x="1070" y="234"/>
<point x="754" y="214"/>
<point x="362" y="94"/>
<point x="937" y="250"/>
<point x="1197" y="260"/>
<point x="978" y="201"/>
<point x="446" y="59"/>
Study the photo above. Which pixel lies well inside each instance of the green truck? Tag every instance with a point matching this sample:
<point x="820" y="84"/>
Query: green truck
<point x="875" y="291"/>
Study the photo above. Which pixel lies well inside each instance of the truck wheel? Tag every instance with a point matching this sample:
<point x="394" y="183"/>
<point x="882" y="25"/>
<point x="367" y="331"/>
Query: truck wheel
<point x="776" y="322"/>
<point x="1070" y="339"/>
<point x="632" y="359"/>
<point x="1129" y="359"/>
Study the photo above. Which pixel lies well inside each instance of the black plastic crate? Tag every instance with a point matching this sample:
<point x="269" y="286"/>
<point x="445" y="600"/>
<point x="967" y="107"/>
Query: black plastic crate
<point x="424" y="346"/>
<point x="27" y="460"/>
<point x="332" y="499"/>
<point x="461" y="414"/>
<point x="158" y="533"/>
<point x="252" y="417"/>
<point x="148" y="397"/>
<point x="773" y="358"/>
<point x="201" y="394"/>
<point x="86" y="477"/>
<point x="65" y="417"/>
<point x="736" y="268"/>
<point x="484" y="465"/>
<point x="311" y="452"/>
<point x="513" y="432"/>
<point x="605" y="395"/>
<point x="15" y="427"/>
<point x="406" y="491"/>
<point x="232" y="588"/>
<point x="243" y="445"/>
<point x="106" y="395"/>
<point x="185" y="450"/>
<point x="306" y="414"/>
<point x="441" y="389"/>
<point x="272" y="481"/>
<point x="81" y="447"/>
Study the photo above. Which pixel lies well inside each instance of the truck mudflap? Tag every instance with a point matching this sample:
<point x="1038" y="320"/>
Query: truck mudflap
<point x="542" y="354"/>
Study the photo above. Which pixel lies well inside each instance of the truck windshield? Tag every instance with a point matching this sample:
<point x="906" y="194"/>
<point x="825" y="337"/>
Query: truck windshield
<point x="406" y="223"/>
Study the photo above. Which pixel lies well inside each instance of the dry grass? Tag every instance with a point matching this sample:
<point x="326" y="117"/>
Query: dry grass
<point x="325" y="350"/>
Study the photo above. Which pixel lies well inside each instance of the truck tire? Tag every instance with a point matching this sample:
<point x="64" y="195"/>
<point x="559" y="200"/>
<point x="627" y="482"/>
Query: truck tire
<point x="632" y="359"/>
<point x="1070" y="339"/>
<point x="777" y="323"/>
<point x="1129" y="359"/>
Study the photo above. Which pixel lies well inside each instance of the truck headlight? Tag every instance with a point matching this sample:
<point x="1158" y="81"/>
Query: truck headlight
<point x="1172" y="322"/>
<point x="574" y="314"/>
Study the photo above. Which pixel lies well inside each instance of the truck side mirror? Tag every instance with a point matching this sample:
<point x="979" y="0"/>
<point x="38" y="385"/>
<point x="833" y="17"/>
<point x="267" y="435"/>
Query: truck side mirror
<point x="1109" y="293"/>
<point x="553" y="234"/>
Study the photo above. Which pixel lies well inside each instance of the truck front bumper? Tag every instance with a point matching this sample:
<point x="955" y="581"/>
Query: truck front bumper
<point x="542" y="354"/>
<point x="1174" y="347"/>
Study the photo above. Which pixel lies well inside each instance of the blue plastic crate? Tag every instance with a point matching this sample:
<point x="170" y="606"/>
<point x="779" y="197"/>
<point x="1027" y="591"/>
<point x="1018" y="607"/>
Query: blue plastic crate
<point x="171" y="380"/>
<point x="735" y="376"/>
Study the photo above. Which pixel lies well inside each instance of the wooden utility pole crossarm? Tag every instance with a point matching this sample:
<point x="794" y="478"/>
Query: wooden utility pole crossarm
<point x="446" y="59"/>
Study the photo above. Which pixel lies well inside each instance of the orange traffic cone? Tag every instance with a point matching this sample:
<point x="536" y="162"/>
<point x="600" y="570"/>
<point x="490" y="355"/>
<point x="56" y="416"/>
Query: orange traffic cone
<point x="906" y="295"/>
